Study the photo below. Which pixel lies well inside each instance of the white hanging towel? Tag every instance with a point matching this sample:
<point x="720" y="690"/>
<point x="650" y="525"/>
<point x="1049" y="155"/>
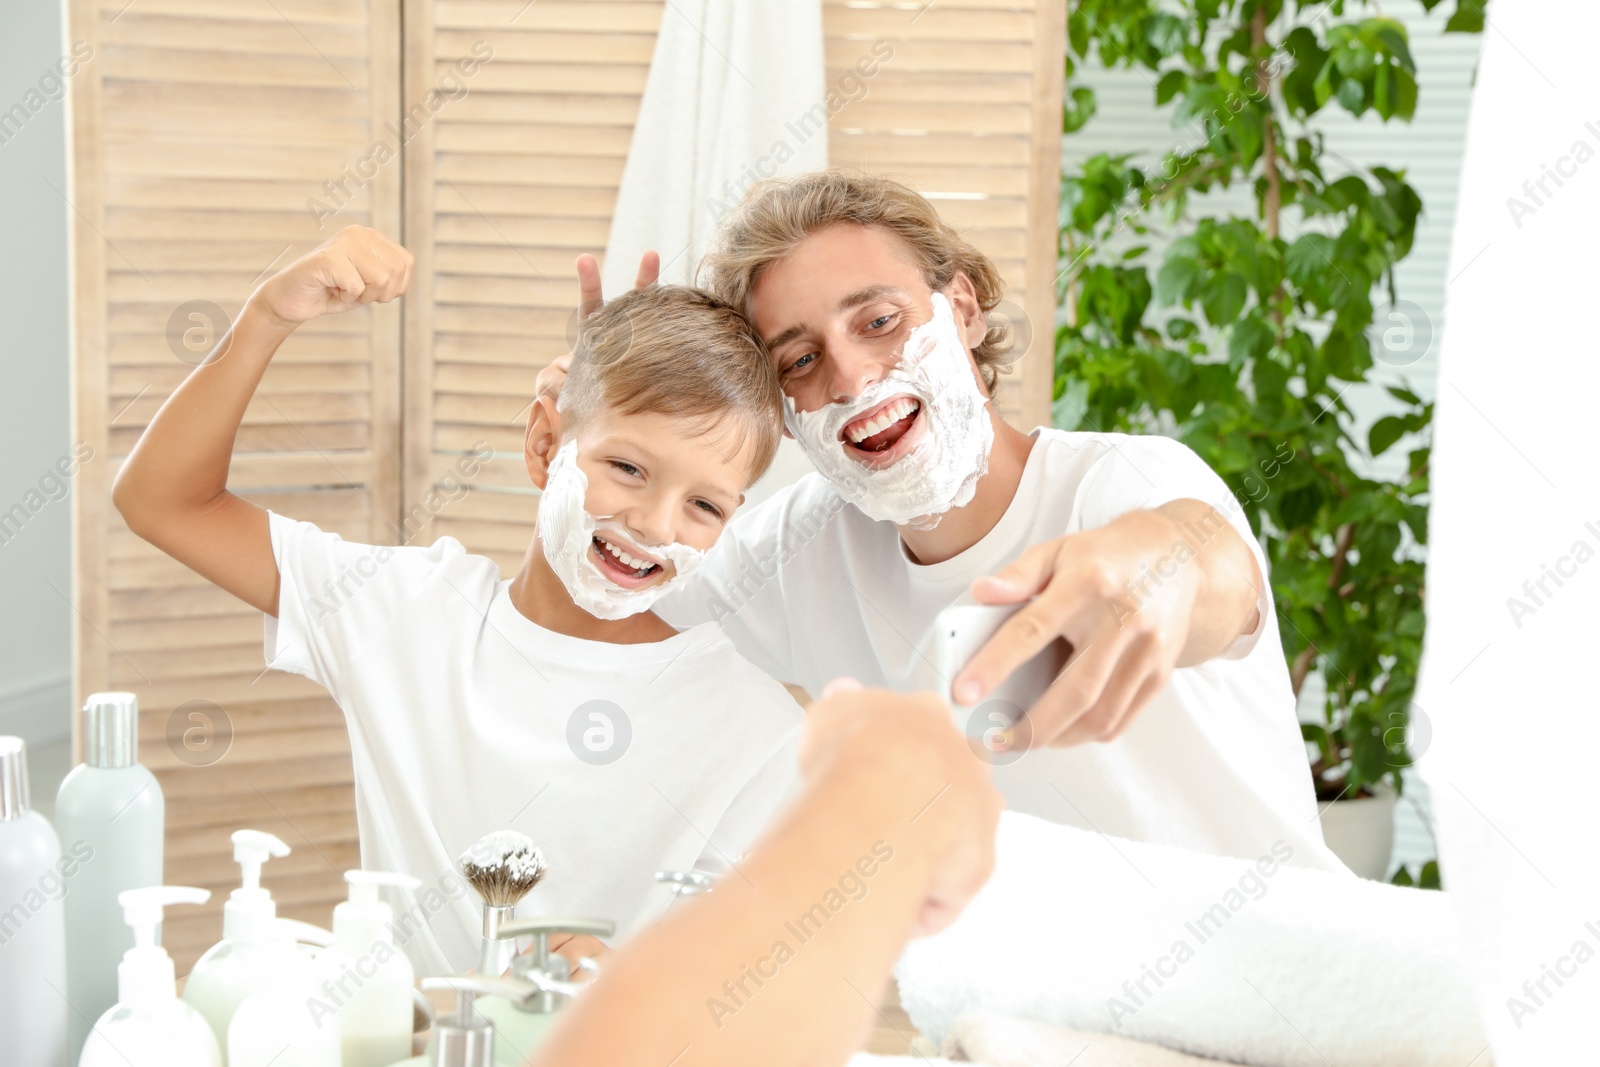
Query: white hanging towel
<point x="736" y="93"/>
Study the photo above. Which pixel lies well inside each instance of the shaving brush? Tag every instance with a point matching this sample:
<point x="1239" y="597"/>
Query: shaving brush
<point x="502" y="867"/>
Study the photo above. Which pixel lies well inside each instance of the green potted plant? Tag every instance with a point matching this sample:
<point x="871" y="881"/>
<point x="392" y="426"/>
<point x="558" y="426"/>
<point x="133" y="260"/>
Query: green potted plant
<point x="1240" y="336"/>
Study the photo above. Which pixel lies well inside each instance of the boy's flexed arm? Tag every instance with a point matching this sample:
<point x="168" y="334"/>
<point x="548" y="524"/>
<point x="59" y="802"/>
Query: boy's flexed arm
<point x="172" y="490"/>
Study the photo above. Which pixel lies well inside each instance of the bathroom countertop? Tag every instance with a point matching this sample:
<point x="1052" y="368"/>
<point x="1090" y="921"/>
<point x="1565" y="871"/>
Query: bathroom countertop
<point x="892" y="1033"/>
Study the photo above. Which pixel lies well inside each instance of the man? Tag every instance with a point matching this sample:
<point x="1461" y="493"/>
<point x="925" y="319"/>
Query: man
<point x="1173" y="720"/>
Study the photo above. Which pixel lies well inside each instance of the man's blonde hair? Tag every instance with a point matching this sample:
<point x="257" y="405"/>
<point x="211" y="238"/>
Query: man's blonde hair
<point x="681" y="352"/>
<point x="778" y="213"/>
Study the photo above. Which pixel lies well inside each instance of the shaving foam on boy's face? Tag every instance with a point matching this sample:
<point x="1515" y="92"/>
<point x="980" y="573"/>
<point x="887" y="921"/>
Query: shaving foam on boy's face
<point x="913" y="445"/>
<point x="607" y="571"/>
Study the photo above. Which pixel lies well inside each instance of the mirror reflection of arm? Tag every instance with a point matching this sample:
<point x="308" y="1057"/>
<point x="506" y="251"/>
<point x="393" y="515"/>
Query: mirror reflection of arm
<point x="172" y="489"/>
<point x="782" y="963"/>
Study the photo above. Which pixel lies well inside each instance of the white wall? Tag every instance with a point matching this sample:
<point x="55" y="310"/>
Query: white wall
<point x="35" y="635"/>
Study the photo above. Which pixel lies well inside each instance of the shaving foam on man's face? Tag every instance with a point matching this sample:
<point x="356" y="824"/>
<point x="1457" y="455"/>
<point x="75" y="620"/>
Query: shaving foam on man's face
<point x="912" y="445"/>
<point x="606" y="571"/>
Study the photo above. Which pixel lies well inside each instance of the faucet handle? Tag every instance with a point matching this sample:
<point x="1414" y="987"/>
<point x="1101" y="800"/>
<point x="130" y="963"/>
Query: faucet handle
<point x="540" y="965"/>
<point x="516" y="990"/>
<point x="544" y="983"/>
<point x="686" y="883"/>
<point x="558" y="924"/>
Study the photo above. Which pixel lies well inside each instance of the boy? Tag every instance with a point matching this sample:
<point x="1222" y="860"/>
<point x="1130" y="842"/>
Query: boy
<point x="553" y="702"/>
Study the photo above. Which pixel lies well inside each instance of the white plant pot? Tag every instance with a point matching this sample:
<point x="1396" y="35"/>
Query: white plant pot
<point x="1361" y="832"/>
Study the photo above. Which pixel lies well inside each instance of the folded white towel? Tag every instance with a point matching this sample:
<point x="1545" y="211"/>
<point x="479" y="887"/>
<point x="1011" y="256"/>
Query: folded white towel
<point x="1241" y="960"/>
<point x="1001" y="1041"/>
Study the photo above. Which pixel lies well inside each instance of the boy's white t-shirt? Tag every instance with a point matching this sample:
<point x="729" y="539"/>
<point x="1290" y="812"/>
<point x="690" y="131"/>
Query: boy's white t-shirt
<point x="810" y="588"/>
<point x="466" y="717"/>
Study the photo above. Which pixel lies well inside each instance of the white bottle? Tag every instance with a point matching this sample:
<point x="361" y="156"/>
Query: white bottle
<point x="150" y="1026"/>
<point x="33" y="936"/>
<point x="276" y="1026"/>
<point x="364" y="980"/>
<point x="109" y="810"/>
<point x="252" y="949"/>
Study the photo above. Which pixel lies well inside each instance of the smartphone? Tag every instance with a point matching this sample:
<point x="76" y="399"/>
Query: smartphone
<point x="966" y="626"/>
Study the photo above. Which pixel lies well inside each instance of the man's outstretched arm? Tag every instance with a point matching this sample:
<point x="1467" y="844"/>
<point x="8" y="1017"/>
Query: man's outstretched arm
<point x="780" y="963"/>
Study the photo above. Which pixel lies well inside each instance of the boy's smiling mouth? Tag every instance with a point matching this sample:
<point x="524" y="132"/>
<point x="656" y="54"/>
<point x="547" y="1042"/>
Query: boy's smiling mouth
<point x="624" y="564"/>
<point x="873" y="437"/>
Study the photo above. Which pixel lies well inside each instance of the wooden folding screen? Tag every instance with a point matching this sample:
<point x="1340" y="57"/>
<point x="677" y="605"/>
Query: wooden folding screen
<point x="215" y="140"/>
<point x="202" y="131"/>
<point x="507" y="186"/>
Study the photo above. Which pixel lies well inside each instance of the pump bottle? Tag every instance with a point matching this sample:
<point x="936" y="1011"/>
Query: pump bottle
<point x="149" y="1026"/>
<point x="276" y="1025"/>
<point x="33" y="939"/>
<point x="111" y="808"/>
<point x="256" y="949"/>
<point x="364" y="979"/>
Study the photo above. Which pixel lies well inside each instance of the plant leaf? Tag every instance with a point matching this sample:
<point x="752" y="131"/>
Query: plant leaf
<point x="1308" y="257"/>
<point x="1384" y="433"/>
<point x="1077" y="109"/>
<point x="1250" y="339"/>
<point x="1176" y="280"/>
<point x="1170" y="85"/>
<point x="1468" y="17"/>
<point x="1166" y="33"/>
<point x="1352" y="95"/>
<point x="1430" y="876"/>
<point x="1068" y="410"/>
<point x="1225" y="298"/>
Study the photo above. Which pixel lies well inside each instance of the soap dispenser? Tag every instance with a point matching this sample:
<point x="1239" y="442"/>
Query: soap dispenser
<point x="33" y="937"/>
<point x="110" y="807"/>
<point x="364" y="980"/>
<point x="253" y="949"/>
<point x="278" y="1024"/>
<point x="467" y="1039"/>
<point x="149" y="1026"/>
<point x="521" y="1022"/>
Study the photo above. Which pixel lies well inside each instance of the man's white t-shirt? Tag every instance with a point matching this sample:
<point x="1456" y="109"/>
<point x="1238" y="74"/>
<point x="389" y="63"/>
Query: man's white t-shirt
<point x="466" y="717"/>
<point x="809" y="588"/>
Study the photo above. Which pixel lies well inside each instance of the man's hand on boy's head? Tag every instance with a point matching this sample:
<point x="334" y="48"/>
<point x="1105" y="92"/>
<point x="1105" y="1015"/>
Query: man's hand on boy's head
<point x="590" y="299"/>
<point x="358" y="265"/>
<point x="552" y="378"/>
<point x="589" y="295"/>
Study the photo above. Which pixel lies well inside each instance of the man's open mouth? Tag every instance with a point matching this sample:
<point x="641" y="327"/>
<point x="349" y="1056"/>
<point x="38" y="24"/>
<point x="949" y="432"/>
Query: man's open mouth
<point x="879" y="430"/>
<point x="623" y="564"/>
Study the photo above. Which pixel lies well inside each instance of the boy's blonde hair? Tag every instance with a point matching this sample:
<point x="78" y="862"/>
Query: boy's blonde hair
<point x="677" y="351"/>
<point x="778" y="213"/>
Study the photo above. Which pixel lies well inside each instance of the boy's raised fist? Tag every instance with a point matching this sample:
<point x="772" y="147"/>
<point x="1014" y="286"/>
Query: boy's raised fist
<point x="358" y="265"/>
